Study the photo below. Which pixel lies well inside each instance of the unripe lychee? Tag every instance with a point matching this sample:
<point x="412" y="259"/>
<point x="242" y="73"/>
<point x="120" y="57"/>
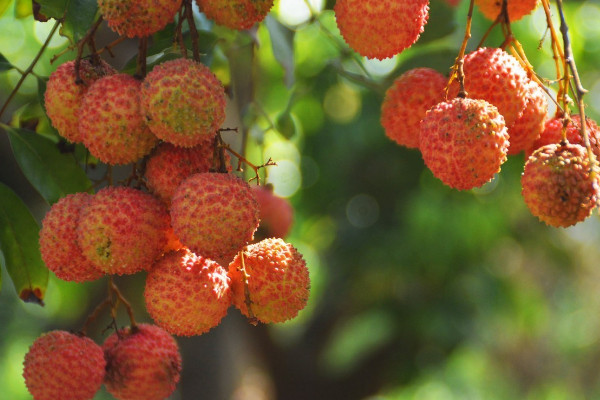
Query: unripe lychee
<point x="63" y="95"/>
<point x="407" y="101"/>
<point x="187" y="294"/>
<point x="495" y="76"/>
<point x="138" y="18"/>
<point x="552" y="133"/>
<point x="276" y="214"/>
<point x="123" y="230"/>
<point x="62" y="366"/>
<point x="110" y="122"/>
<point x="463" y="142"/>
<point x="142" y="363"/>
<point x="517" y="9"/>
<point x="58" y="240"/>
<point x="276" y="277"/>
<point x="558" y="186"/>
<point x="236" y="14"/>
<point x="528" y="127"/>
<point x="214" y="214"/>
<point x="169" y="165"/>
<point x="183" y="102"/>
<point x="381" y="28"/>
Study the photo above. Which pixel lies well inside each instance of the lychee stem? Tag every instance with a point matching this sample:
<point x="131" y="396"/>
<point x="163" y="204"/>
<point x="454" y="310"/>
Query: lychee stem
<point x="457" y="70"/>
<point x="179" y="35"/>
<point x="193" y="31"/>
<point x="81" y="44"/>
<point x="251" y="317"/>
<point x="140" y="71"/>
<point x="113" y="289"/>
<point x="93" y="316"/>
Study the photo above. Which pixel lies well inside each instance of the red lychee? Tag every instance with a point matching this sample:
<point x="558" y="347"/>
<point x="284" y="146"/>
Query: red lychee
<point x="381" y="28"/>
<point x="463" y="142"/>
<point x="528" y="127"/>
<point x="183" y="102"/>
<point x="123" y="230"/>
<point x="517" y="9"/>
<point x="63" y="95"/>
<point x="142" y="363"/>
<point x="276" y="278"/>
<point x="558" y="186"/>
<point x="138" y="18"/>
<point x="110" y="122"/>
<point x="214" y="214"/>
<point x="58" y="240"/>
<point x="236" y="14"/>
<point x="187" y="294"/>
<point x="407" y="101"/>
<point x="552" y="133"/>
<point x="276" y="214"/>
<point x="62" y="366"/>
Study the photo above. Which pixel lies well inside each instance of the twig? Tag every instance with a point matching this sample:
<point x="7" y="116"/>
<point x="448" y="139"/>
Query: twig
<point x="457" y="69"/>
<point x="115" y="290"/>
<point x="92" y="317"/>
<point x="193" y="31"/>
<point x="81" y="44"/>
<point x="140" y="71"/>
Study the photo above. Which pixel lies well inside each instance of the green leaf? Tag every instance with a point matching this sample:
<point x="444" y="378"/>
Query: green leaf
<point x="23" y="9"/>
<point x="52" y="173"/>
<point x="4" y="4"/>
<point x="5" y="65"/>
<point x="19" y="235"/>
<point x="53" y="8"/>
<point x="282" y="42"/>
<point x="79" y="17"/>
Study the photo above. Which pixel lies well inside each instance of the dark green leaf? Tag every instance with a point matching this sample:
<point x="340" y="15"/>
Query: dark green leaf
<point x="19" y="233"/>
<point x="282" y="42"/>
<point x="4" y="64"/>
<point x="42" y="91"/>
<point x="53" y="8"/>
<point x="79" y="17"/>
<point x="52" y="173"/>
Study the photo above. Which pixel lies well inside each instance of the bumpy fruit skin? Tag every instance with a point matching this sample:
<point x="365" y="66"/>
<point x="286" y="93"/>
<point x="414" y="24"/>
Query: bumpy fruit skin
<point x="552" y="133"/>
<point x="214" y="214"/>
<point x="110" y="122"/>
<point x="557" y="185"/>
<point x="169" y="165"/>
<point x="138" y="18"/>
<point x="123" y="230"/>
<point x="276" y="214"/>
<point x="407" y="101"/>
<point x="187" y="294"/>
<point x="142" y="363"/>
<point x="63" y="366"/>
<point x="529" y="126"/>
<point x="63" y="95"/>
<point x="517" y="9"/>
<point x="277" y="278"/>
<point x="463" y="142"/>
<point x="236" y="14"/>
<point x="497" y="77"/>
<point x="58" y="240"/>
<point x="183" y="102"/>
<point x="381" y="28"/>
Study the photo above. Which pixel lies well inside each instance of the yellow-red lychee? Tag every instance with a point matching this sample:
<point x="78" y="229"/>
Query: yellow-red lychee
<point x="236" y="14"/>
<point x="276" y="214"/>
<point x="138" y="18"/>
<point x="553" y="133"/>
<point x="517" y="9"/>
<point x="528" y="127"/>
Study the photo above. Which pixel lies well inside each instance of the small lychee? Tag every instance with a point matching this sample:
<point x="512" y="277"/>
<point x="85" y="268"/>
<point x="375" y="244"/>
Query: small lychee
<point x="529" y="126"/>
<point x="138" y="18"/>
<point x="553" y="133"/>
<point x="236" y="14"/>
<point x="276" y="214"/>
<point x="517" y="9"/>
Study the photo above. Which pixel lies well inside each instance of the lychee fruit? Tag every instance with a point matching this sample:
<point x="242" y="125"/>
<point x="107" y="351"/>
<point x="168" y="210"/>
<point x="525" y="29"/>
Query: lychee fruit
<point x="553" y="128"/>
<point x="464" y="142"/>
<point x="110" y="122"/>
<point x="276" y="214"/>
<point x="270" y="276"/>
<point x="63" y="95"/>
<point x="214" y="214"/>
<point x="236" y="14"/>
<point x="517" y="9"/>
<point x="407" y="101"/>
<point x="558" y="184"/>
<point x="58" y="240"/>
<point x="495" y="76"/>
<point x="62" y="366"/>
<point x="187" y="294"/>
<point x="138" y="18"/>
<point x="123" y="230"/>
<point x="183" y="102"/>
<point x="381" y="28"/>
<point x="142" y="363"/>
<point x="528" y="127"/>
<point x="169" y="165"/>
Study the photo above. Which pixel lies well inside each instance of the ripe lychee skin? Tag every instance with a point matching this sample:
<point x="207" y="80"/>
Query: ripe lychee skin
<point x="529" y="126"/>
<point x="276" y="214"/>
<point x="110" y="122"/>
<point x="63" y="95"/>
<point x="381" y="28"/>
<point x="123" y="230"/>
<point x="236" y="14"/>
<point x="183" y="102"/>
<point x="463" y="142"/>
<point x="277" y="278"/>
<point x="552" y="134"/>
<point x="407" y="101"/>
<point x="517" y="9"/>
<point x="138" y="18"/>
<point x="187" y="294"/>
<point x="142" y="363"/>
<point x="214" y="214"/>
<point x="495" y="76"/>
<point x="557" y="185"/>
<point x="58" y="240"/>
<point x="62" y="366"/>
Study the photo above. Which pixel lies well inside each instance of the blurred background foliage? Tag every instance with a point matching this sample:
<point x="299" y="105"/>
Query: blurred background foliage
<point x="418" y="291"/>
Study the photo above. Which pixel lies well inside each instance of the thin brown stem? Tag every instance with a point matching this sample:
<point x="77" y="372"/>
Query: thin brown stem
<point x="457" y="70"/>
<point x="140" y="71"/>
<point x="115" y="290"/>
<point x="94" y="315"/>
<point x="193" y="31"/>
<point x="251" y="317"/>
<point x="243" y="160"/>
<point x="80" y="46"/>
